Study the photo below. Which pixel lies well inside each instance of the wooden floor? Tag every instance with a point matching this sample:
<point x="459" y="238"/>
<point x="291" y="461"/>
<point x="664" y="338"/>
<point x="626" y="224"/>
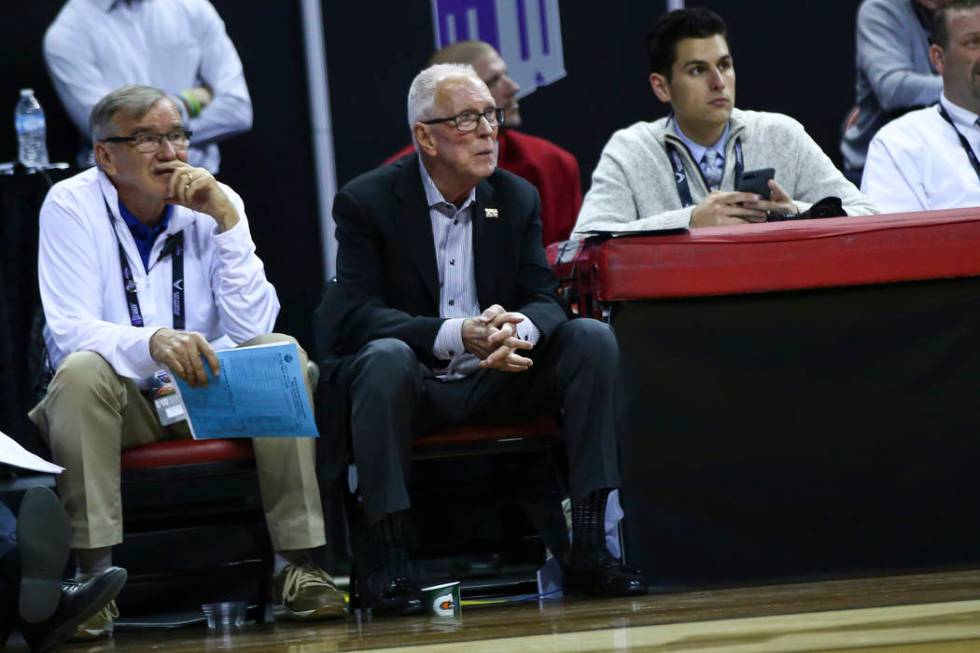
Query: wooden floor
<point x="934" y="613"/>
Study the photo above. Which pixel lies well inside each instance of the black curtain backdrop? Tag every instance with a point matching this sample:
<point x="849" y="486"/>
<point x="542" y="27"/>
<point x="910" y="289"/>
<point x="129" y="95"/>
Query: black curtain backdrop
<point x="792" y="57"/>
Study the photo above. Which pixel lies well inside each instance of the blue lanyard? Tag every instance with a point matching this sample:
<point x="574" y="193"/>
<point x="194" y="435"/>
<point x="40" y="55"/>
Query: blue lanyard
<point x="965" y="143"/>
<point x="680" y="176"/>
<point x="175" y="248"/>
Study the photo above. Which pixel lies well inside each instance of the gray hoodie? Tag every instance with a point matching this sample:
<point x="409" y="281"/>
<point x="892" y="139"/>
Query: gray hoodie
<point x="633" y="186"/>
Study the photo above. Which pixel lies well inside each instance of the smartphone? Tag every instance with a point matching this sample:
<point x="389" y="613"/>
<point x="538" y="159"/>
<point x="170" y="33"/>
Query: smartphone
<point x="757" y="181"/>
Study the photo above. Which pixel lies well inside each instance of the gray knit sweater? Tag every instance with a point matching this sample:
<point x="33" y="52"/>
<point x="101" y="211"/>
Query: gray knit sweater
<point x="633" y="186"/>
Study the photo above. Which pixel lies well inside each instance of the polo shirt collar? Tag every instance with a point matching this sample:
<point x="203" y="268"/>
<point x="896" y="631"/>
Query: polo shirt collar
<point x="141" y="231"/>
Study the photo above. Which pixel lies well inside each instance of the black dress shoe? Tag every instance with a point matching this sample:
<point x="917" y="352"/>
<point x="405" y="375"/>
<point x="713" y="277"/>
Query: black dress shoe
<point x="384" y="570"/>
<point x="80" y="601"/>
<point x="396" y="597"/>
<point x="589" y="566"/>
<point x="43" y="540"/>
<point x="604" y="576"/>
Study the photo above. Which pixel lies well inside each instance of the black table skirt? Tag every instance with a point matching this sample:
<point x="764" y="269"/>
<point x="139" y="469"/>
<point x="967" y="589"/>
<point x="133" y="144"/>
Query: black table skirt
<point x="803" y="433"/>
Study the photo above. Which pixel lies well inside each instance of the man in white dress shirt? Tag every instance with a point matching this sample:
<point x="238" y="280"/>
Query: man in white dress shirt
<point x="928" y="159"/>
<point x="95" y="46"/>
<point x="143" y="262"/>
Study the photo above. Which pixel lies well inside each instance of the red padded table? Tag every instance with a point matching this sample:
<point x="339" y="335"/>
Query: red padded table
<point x="800" y="397"/>
<point x="789" y="255"/>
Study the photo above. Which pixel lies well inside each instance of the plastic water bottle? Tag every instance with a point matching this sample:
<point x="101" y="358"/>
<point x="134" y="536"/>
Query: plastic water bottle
<point x="31" y="132"/>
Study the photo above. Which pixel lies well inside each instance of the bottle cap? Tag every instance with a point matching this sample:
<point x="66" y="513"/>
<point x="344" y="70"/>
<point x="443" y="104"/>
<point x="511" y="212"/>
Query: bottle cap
<point x="26" y="91"/>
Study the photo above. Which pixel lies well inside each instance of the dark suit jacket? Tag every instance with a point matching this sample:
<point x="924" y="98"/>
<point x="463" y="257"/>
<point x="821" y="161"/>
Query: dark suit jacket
<point x="387" y="283"/>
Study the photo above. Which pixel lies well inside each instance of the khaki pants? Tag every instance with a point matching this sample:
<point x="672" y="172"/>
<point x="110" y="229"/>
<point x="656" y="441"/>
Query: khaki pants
<point x="91" y="414"/>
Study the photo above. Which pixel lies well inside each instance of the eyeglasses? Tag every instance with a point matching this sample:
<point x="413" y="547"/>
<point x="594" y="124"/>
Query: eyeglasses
<point x="147" y="142"/>
<point x="469" y="120"/>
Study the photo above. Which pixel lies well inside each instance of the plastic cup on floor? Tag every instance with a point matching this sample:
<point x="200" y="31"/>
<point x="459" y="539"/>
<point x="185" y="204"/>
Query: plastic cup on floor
<point x="224" y="615"/>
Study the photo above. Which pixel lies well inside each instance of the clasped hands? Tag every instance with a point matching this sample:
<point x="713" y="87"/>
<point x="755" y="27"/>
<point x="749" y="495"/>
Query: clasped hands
<point x="728" y="208"/>
<point x="181" y="351"/>
<point x="492" y="337"/>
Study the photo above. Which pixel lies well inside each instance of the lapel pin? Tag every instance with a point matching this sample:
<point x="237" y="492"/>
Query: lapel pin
<point x="491" y="213"/>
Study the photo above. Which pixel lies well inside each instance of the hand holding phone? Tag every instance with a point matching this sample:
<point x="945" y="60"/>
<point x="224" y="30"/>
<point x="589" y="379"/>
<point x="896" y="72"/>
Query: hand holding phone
<point x="777" y="203"/>
<point x="757" y="182"/>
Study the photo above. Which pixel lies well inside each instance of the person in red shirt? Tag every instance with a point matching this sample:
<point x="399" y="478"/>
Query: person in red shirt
<point x="550" y="168"/>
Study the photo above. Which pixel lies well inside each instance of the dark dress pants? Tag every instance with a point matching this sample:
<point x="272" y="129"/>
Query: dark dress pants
<point x="395" y="399"/>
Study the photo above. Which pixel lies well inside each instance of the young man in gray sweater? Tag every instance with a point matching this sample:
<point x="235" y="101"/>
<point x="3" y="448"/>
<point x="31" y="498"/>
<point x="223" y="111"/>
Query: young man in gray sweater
<point x="681" y="171"/>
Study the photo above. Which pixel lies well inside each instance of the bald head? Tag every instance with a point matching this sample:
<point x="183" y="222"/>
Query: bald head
<point x="468" y="52"/>
<point x="492" y="70"/>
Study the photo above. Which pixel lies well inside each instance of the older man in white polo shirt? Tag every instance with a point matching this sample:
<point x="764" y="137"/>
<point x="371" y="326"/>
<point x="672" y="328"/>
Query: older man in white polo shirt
<point x="144" y="262"/>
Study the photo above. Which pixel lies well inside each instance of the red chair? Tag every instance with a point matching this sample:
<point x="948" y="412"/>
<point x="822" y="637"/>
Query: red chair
<point x="194" y="526"/>
<point x="490" y="469"/>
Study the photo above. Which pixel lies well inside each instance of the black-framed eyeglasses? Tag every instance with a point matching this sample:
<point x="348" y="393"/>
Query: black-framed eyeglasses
<point x="469" y="120"/>
<point x="147" y="142"/>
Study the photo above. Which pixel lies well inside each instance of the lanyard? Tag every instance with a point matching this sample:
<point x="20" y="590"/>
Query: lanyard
<point x="965" y="143"/>
<point x="680" y="177"/>
<point x="175" y="247"/>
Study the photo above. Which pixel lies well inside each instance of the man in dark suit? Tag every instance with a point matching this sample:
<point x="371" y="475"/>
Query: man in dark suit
<point x="447" y="310"/>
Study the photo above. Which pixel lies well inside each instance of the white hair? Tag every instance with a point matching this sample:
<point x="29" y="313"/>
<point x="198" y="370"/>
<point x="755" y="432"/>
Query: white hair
<point x="422" y="92"/>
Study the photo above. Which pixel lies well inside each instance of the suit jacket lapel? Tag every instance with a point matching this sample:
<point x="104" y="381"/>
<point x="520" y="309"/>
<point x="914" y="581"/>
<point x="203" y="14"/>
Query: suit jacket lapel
<point x="416" y="226"/>
<point x="487" y="232"/>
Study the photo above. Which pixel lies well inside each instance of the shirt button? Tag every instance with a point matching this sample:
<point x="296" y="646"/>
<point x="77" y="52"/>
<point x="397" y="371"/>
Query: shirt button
<point x="452" y="353"/>
<point x="455" y="221"/>
<point x="452" y="261"/>
<point x="452" y="302"/>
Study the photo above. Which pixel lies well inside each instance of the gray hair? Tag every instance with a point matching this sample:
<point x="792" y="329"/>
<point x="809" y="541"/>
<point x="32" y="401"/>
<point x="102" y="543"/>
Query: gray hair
<point x="422" y="93"/>
<point x="130" y="101"/>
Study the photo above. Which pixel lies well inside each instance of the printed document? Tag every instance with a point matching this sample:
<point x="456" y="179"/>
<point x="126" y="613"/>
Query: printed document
<point x="259" y="393"/>
<point x="15" y="455"/>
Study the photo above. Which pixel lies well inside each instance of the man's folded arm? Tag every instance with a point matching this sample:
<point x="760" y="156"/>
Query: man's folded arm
<point x="230" y="111"/>
<point x="887" y="64"/>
